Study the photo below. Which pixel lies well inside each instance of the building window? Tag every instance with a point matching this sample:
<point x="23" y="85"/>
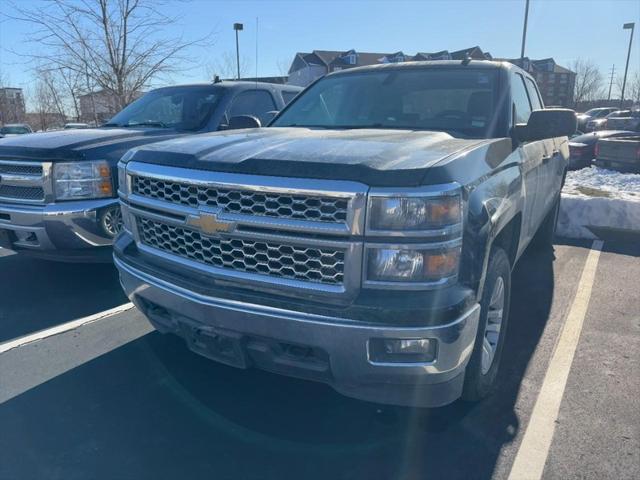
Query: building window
<point x="350" y="58"/>
<point x="564" y="78"/>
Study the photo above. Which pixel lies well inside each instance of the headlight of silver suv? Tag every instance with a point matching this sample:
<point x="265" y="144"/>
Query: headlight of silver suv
<point x="82" y="180"/>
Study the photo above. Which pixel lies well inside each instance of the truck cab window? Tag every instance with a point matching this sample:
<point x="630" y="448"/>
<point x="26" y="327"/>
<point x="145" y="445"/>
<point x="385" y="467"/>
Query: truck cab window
<point x="521" y="103"/>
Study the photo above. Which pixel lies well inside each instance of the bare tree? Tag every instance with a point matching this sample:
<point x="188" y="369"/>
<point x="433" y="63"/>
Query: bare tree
<point x="589" y="81"/>
<point x="225" y="67"/>
<point x="632" y="89"/>
<point x="45" y="106"/>
<point x="120" y="45"/>
<point x="64" y="87"/>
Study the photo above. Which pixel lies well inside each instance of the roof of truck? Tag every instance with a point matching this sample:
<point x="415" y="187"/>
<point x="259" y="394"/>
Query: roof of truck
<point x="234" y="84"/>
<point x="485" y="64"/>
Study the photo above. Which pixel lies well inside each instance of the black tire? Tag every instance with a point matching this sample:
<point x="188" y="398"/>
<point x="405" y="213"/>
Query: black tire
<point x="543" y="239"/>
<point x="479" y="383"/>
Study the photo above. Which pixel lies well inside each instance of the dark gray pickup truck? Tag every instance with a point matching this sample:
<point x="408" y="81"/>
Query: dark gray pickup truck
<point x="365" y="238"/>
<point x="58" y="195"/>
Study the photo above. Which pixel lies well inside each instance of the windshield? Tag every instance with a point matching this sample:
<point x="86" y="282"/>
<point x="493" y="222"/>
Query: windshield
<point x="458" y="101"/>
<point x="181" y="108"/>
<point x="17" y="130"/>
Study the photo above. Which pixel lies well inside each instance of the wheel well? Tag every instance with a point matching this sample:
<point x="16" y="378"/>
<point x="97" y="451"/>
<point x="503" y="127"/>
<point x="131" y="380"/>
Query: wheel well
<point x="509" y="238"/>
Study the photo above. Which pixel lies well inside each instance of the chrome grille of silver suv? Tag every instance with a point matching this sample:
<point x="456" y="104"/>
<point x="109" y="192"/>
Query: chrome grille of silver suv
<point x="22" y="181"/>
<point x="314" y="208"/>
<point x="302" y="236"/>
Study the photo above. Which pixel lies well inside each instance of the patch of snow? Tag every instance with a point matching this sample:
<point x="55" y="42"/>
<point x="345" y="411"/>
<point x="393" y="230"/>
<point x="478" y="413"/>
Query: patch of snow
<point x="601" y="182"/>
<point x="597" y="197"/>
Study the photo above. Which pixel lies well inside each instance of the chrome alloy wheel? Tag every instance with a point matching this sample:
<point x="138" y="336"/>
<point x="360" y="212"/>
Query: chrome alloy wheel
<point x="112" y="221"/>
<point x="492" y="328"/>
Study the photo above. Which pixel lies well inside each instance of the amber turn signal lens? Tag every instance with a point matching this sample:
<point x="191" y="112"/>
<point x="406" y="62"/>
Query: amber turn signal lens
<point x="441" y="264"/>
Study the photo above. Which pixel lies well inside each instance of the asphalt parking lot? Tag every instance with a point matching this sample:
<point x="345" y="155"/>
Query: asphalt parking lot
<point x="111" y="398"/>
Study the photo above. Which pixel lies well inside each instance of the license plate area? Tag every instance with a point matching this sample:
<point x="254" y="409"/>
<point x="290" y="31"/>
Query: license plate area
<point x="217" y="344"/>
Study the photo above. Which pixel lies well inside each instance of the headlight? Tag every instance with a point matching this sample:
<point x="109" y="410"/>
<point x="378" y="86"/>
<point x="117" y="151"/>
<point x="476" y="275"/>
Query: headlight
<point x="413" y="213"/>
<point x="82" y="180"/>
<point x="400" y="264"/>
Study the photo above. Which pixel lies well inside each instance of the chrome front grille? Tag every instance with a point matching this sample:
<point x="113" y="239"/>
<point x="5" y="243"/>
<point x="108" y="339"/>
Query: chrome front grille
<point x="22" y="181"/>
<point x="321" y="265"/>
<point x="246" y="202"/>
<point x="299" y="236"/>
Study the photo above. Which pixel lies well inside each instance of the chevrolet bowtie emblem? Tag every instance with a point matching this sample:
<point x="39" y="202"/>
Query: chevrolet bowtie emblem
<point x="208" y="223"/>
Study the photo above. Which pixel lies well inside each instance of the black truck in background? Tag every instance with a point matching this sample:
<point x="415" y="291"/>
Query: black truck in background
<point x="58" y="190"/>
<point x="364" y="239"/>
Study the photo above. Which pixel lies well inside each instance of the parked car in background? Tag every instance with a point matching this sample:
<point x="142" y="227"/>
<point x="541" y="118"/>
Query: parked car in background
<point x="69" y="126"/>
<point x="58" y="190"/>
<point x="13" y="129"/>
<point x="582" y="148"/>
<point x="584" y="118"/>
<point x="364" y="239"/>
<point x="601" y="123"/>
<point x="631" y="121"/>
<point x="621" y="154"/>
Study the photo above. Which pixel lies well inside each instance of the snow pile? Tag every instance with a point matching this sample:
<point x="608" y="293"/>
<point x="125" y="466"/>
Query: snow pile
<point x="597" y="197"/>
<point x="600" y="182"/>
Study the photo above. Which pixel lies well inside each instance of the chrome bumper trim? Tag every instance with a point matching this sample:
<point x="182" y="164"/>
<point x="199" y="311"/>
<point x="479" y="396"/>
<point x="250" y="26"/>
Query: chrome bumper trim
<point x="346" y="341"/>
<point x="65" y="225"/>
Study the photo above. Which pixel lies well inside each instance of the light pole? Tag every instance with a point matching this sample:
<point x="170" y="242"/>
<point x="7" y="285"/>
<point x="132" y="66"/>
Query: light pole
<point x="524" y="32"/>
<point x="237" y="27"/>
<point x="626" y="26"/>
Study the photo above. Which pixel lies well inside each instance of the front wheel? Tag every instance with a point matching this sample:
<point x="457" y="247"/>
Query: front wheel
<point x="482" y="370"/>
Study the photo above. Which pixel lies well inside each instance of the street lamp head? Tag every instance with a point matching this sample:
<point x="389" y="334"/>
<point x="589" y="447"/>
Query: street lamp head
<point x="239" y="26"/>
<point x="627" y="26"/>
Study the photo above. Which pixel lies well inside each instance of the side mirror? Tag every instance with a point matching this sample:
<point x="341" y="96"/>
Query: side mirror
<point x="547" y="123"/>
<point x="243" y="121"/>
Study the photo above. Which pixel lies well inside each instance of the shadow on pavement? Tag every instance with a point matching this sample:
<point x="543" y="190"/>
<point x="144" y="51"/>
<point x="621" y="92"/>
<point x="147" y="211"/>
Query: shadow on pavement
<point x="152" y="409"/>
<point x="38" y="294"/>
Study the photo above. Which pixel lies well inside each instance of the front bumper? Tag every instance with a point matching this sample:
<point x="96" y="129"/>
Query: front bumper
<point x="59" y="230"/>
<point x="305" y="345"/>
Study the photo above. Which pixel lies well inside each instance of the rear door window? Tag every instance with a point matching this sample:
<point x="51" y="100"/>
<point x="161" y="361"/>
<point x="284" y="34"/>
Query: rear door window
<point x="253" y="102"/>
<point x="288" y="96"/>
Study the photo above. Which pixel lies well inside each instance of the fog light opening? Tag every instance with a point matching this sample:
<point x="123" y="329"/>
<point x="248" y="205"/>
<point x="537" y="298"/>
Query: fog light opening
<point x="402" y="350"/>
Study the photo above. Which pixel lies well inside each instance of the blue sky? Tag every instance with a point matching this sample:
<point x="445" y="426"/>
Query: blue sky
<point x="563" y="29"/>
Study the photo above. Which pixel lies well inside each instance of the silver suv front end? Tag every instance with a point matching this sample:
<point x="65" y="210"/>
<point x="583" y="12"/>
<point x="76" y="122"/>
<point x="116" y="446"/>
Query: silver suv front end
<point x="32" y="218"/>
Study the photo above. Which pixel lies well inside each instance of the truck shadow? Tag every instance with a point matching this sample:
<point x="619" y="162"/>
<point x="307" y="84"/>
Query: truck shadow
<point x="370" y="441"/>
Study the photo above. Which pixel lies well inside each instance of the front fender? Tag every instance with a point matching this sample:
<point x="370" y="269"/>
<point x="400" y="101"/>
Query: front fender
<point x="492" y="203"/>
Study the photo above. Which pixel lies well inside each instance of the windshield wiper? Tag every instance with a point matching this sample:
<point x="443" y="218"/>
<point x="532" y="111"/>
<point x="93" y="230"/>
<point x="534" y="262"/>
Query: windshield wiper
<point x="110" y="124"/>
<point x="147" y="124"/>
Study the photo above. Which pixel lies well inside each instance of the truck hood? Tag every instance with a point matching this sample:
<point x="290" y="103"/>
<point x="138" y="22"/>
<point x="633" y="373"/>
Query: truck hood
<point x="80" y="144"/>
<point x="372" y="156"/>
